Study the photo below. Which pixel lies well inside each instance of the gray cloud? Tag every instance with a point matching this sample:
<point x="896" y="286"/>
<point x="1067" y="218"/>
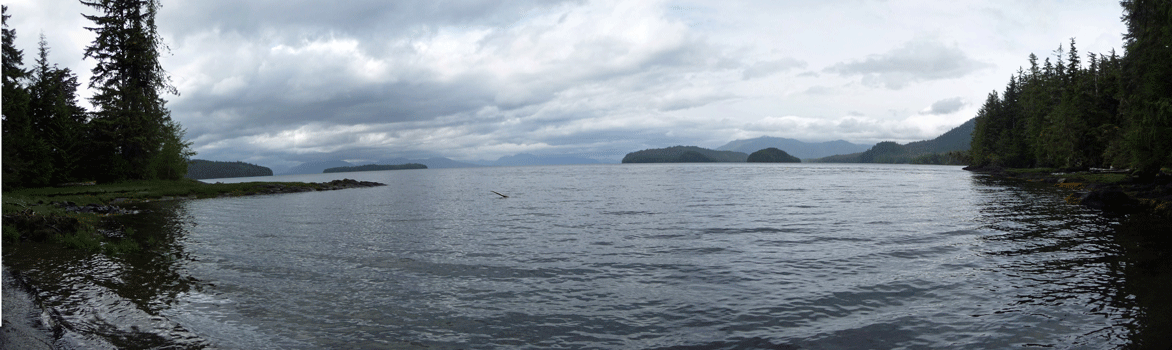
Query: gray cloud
<point x="281" y="82"/>
<point x="497" y="75"/>
<point x="921" y="59"/>
<point x="946" y="106"/>
<point x="293" y="20"/>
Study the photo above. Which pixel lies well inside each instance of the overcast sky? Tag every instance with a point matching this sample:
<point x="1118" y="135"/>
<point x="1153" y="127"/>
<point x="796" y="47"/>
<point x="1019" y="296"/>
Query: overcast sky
<point x="281" y="82"/>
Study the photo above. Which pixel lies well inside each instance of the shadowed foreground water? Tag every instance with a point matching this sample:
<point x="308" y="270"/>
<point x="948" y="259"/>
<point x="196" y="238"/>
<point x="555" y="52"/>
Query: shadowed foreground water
<point x="669" y="256"/>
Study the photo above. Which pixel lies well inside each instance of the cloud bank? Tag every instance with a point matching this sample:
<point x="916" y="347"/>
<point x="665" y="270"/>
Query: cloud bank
<point x="283" y="82"/>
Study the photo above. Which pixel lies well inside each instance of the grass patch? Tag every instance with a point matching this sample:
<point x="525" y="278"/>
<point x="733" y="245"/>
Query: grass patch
<point x="37" y="203"/>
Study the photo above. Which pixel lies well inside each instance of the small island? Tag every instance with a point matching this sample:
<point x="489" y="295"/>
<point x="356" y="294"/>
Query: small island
<point x="200" y="169"/>
<point x="684" y="154"/>
<point x="373" y="167"/>
<point x="772" y="155"/>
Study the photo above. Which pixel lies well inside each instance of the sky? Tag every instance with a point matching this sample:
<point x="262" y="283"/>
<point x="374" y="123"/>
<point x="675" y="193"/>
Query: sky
<point x="281" y="82"/>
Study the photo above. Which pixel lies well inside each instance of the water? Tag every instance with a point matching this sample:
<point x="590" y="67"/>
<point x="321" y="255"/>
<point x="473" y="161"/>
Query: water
<point x="685" y="256"/>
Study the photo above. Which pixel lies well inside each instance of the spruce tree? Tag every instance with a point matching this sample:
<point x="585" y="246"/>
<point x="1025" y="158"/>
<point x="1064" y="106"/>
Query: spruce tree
<point x="23" y="152"/>
<point x="133" y="133"/>
<point x="1147" y="83"/>
<point x="58" y="122"/>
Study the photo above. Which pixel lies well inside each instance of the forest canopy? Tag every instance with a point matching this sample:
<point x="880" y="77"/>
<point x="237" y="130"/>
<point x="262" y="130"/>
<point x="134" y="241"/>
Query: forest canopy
<point x="128" y="135"/>
<point x="1106" y="111"/>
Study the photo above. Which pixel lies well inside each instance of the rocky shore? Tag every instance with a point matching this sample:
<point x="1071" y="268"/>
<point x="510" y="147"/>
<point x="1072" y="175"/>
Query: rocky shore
<point x="276" y="187"/>
<point x="1106" y="190"/>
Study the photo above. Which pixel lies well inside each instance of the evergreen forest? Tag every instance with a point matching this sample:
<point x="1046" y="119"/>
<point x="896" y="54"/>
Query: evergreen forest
<point x="1101" y="112"/>
<point x="208" y="169"/>
<point x="684" y="154"/>
<point x="772" y="155"/>
<point x="49" y="139"/>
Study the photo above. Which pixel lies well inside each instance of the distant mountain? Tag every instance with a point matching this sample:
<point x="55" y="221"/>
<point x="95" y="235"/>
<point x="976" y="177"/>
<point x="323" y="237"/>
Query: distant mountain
<point x="957" y="139"/>
<point x="315" y="167"/>
<point x="950" y="148"/>
<point x="804" y="150"/>
<point x="374" y="167"/>
<point x="683" y="154"/>
<point x="209" y="169"/>
<point x="523" y="159"/>
<point x="431" y="163"/>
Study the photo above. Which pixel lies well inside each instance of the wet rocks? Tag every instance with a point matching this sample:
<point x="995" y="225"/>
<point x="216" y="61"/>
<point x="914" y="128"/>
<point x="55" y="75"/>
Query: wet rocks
<point x="93" y="208"/>
<point x="275" y="188"/>
<point x="1111" y="199"/>
<point x="350" y="183"/>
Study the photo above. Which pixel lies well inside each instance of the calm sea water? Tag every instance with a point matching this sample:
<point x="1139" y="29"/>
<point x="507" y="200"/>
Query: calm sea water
<point x="681" y="256"/>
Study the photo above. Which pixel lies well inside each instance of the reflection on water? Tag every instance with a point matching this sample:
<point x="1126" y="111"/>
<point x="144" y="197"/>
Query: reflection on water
<point x="1146" y="260"/>
<point x="96" y="301"/>
<point x="1129" y="259"/>
<point x="823" y="264"/>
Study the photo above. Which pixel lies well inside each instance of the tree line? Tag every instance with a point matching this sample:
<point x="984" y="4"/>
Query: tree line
<point x="684" y="154"/>
<point x="209" y="169"/>
<point x="1108" y="111"/>
<point x="48" y="138"/>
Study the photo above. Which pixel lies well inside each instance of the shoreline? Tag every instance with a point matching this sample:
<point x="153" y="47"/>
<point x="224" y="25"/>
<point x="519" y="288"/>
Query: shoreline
<point x="23" y="325"/>
<point x="1110" y="191"/>
<point x="40" y="214"/>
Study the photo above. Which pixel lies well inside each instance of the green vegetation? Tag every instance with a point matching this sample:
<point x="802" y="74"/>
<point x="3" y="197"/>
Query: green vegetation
<point x="1110" y="112"/>
<point x="951" y="148"/>
<point x="772" y="155"/>
<point x="49" y="139"/>
<point x="44" y="214"/>
<point x="208" y="169"/>
<point x="374" y="167"/>
<point x="683" y="154"/>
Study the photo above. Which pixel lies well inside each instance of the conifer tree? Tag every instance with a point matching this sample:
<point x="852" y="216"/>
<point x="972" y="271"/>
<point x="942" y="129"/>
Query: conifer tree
<point x="23" y="152"/>
<point x="133" y="133"/>
<point x="58" y="121"/>
<point x="1147" y="83"/>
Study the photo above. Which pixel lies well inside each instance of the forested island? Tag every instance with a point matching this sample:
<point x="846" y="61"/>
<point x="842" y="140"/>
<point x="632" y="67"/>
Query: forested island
<point x="374" y="167"/>
<point x="1107" y="111"/>
<point x="684" y="154"/>
<point x="772" y="155"/>
<point x="796" y="148"/>
<point x="209" y="169"/>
